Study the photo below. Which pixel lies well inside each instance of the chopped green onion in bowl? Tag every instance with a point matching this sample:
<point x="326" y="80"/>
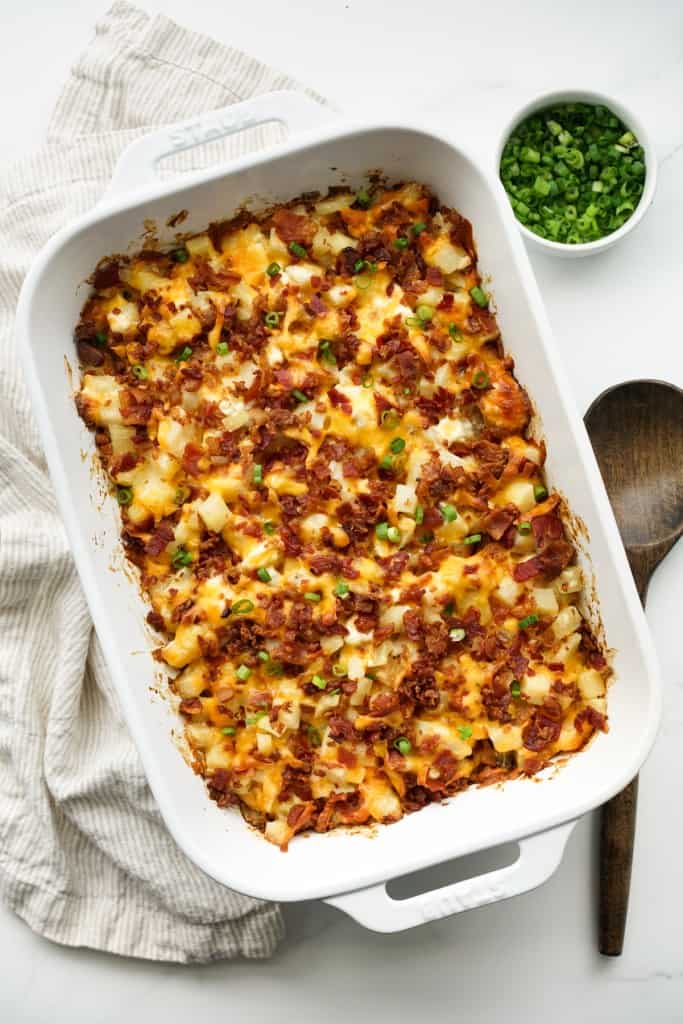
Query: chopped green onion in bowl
<point x="574" y="172"/>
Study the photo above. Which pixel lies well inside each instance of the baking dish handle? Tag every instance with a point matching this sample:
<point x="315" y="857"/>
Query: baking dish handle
<point x="539" y="857"/>
<point x="137" y="164"/>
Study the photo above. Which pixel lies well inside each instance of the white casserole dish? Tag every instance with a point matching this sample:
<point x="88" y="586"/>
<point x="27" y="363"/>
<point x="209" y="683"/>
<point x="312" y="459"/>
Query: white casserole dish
<point x="348" y="868"/>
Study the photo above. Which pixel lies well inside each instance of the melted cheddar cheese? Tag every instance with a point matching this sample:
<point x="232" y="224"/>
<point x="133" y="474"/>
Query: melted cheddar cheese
<point x="328" y="483"/>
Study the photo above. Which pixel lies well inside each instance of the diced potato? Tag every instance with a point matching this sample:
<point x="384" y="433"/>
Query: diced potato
<point x="173" y="436"/>
<point x="505" y="737"/>
<point x="214" y="512"/>
<point x="508" y="590"/>
<point x="536" y="687"/>
<point x="218" y="756"/>
<point x="446" y="256"/>
<point x="591" y="684"/>
<point x="244" y="294"/>
<point x="405" y="499"/>
<point x="334" y="203"/>
<point x="200" y="245"/>
<point x="126" y="319"/>
<point x="121" y="438"/>
<point x="570" y="580"/>
<point x="192" y="680"/>
<point x="278" y="831"/>
<point x="185" y="645"/>
<point x="545" y="600"/>
<point x="567" y="621"/>
<point x="102" y="396"/>
<point x="301" y="273"/>
<point x="341" y="295"/>
<point x="521" y="494"/>
<point x="264" y="743"/>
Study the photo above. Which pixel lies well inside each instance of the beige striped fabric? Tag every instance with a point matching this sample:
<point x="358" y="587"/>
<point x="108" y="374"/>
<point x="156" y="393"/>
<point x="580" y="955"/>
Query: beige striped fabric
<point x="84" y="857"/>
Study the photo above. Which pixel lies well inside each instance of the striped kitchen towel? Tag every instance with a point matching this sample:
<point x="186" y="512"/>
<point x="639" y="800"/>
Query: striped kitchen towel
<point x="85" y="859"/>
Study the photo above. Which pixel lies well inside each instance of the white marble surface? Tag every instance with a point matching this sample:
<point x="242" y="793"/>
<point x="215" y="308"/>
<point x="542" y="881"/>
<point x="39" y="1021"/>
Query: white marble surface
<point x="615" y="316"/>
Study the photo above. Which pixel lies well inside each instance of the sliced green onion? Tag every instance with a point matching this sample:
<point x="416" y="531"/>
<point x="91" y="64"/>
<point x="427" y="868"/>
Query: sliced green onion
<point x="181" y="495"/>
<point x="386" y="462"/>
<point x="449" y="608"/>
<point x="319" y="682"/>
<point x="264" y="575"/>
<point x="257" y="473"/>
<point x="341" y="589"/>
<point x="273" y="269"/>
<point x="140" y="371"/>
<point x="424" y="313"/>
<point x="473" y="538"/>
<point x="401" y="243"/>
<point x="457" y="635"/>
<point x="100" y="339"/>
<point x="253" y="719"/>
<point x="180" y="255"/>
<point x="454" y="332"/>
<point x="366" y="380"/>
<point x="243" y="673"/>
<point x="269" y="527"/>
<point x="524" y="527"/>
<point x="528" y="620"/>
<point x="540" y="493"/>
<point x="184" y="354"/>
<point x="382" y="530"/>
<point x="414" y="321"/>
<point x="465" y="731"/>
<point x="397" y="445"/>
<point x="339" y="669"/>
<point x="449" y="512"/>
<point x="403" y="745"/>
<point x="419" y="514"/>
<point x="298" y="250"/>
<point x="390" y="419"/>
<point x="515" y="688"/>
<point x="181" y="558"/>
<point x="363" y="199"/>
<point x="335" y="692"/>
<point x="358" y="266"/>
<point x="228" y="730"/>
<point x="314" y="737"/>
<point x="299" y="395"/>
<point x="263" y="656"/>
<point x="124" y="495"/>
<point x="479" y="296"/>
<point x="242" y="607"/>
<point x="325" y="353"/>
<point x="272" y="319"/>
<point x="312" y="596"/>
<point x="274" y="668"/>
<point x="222" y="348"/>
<point x="394" y="535"/>
<point x="418" y="228"/>
<point x="481" y="380"/>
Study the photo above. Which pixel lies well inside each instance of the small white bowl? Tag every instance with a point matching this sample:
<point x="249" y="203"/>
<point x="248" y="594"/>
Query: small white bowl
<point x="632" y="122"/>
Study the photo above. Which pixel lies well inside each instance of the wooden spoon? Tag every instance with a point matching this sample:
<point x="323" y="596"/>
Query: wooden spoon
<point x="636" y="430"/>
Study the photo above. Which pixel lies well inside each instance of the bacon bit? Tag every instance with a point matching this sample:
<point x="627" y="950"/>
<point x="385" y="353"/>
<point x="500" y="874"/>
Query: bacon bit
<point x="317" y="306"/>
<point x="301" y="816"/>
<point x="106" y="275"/>
<point x="191" y="456"/>
<point x="549" y="562"/>
<point x="383" y="703"/>
<point x="447" y="301"/>
<point x="497" y="522"/>
<point x="544" y="726"/>
<point x="341" y="728"/>
<point x="340" y="400"/>
<point x="122" y="463"/>
<point x="136" y="405"/>
<point x="589" y="716"/>
<point x="346" y="757"/>
<point x="294" y="227"/>
<point x="193" y="706"/>
<point x="161" y="538"/>
<point x="434" y="276"/>
<point x="156" y="621"/>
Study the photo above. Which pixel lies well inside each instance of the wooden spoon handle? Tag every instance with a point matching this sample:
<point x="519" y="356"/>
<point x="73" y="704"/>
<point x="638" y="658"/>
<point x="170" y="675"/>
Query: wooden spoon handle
<point x="617" y="832"/>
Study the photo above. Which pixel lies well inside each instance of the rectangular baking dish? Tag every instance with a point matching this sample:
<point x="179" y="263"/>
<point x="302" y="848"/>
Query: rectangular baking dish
<point x="350" y="869"/>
